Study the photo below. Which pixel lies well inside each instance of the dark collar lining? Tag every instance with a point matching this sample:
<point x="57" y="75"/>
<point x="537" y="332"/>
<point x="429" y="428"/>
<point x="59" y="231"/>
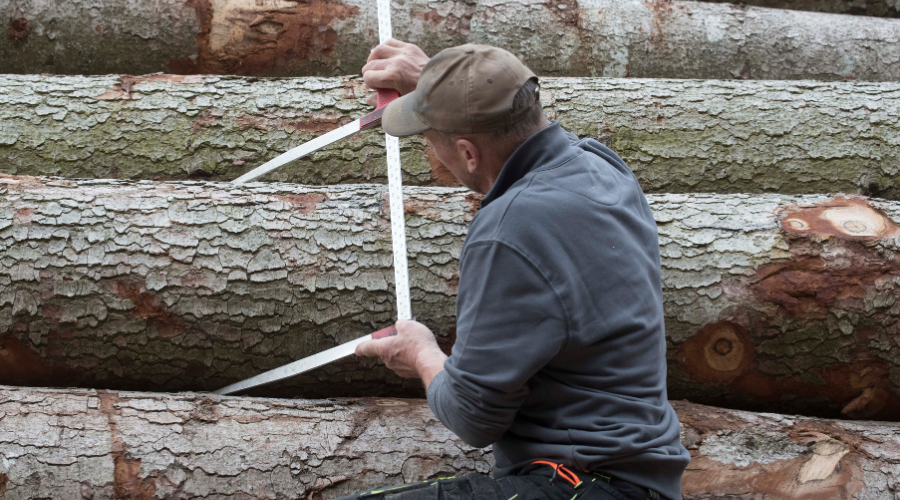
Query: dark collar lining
<point x="548" y="145"/>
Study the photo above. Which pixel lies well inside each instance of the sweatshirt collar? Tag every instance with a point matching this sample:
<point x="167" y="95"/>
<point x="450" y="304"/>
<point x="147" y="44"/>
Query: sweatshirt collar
<point x="538" y="150"/>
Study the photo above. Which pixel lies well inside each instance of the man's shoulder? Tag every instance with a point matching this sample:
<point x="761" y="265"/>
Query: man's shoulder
<point x="524" y="214"/>
<point x="492" y="223"/>
<point x="587" y="189"/>
<point x="522" y="209"/>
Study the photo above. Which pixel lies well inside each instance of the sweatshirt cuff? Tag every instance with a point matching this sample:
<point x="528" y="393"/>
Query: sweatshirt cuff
<point x="442" y="402"/>
<point x="434" y="395"/>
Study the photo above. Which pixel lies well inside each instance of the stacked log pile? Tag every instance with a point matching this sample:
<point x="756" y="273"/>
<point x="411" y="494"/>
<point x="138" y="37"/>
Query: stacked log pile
<point x="129" y="263"/>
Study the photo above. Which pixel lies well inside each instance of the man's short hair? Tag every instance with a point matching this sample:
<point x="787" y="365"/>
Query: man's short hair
<point x="515" y="133"/>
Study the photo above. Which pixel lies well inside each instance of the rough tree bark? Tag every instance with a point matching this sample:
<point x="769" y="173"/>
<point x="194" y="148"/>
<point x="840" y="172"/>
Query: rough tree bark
<point x="772" y="302"/>
<point x="678" y="136"/>
<point x="104" y="444"/>
<point x="101" y="444"/>
<point x="192" y="286"/>
<point x="617" y="38"/>
<point x="880" y="8"/>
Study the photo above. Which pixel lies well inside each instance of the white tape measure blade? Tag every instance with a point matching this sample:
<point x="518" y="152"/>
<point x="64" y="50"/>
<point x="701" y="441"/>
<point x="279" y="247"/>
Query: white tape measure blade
<point x="395" y="188"/>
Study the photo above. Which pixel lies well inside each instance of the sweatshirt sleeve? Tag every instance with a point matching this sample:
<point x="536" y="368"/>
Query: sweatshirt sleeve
<point x="510" y="324"/>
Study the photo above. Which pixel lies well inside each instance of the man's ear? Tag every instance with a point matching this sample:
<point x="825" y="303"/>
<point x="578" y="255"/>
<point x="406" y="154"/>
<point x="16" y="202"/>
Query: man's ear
<point x="468" y="153"/>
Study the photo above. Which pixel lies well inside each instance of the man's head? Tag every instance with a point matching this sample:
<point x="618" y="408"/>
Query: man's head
<point x="476" y="104"/>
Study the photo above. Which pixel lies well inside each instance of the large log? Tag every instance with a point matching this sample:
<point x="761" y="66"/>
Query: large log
<point x="781" y="303"/>
<point x="193" y="286"/>
<point x="104" y="444"/>
<point x="677" y="135"/>
<point x="880" y="8"/>
<point x="617" y="38"/>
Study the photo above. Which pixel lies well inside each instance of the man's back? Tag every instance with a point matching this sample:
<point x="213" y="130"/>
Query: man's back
<point x="560" y="353"/>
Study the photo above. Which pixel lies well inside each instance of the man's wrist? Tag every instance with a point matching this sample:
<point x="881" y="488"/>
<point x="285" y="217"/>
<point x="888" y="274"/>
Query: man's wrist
<point x="429" y="363"/>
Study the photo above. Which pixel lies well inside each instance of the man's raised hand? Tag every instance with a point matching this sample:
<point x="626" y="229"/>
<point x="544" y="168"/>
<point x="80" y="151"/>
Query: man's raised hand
<point x="413" y="352"/>
<point x="394" y="65"/>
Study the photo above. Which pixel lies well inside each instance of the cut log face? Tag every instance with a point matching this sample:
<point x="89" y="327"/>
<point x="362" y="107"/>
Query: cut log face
<point x="878" y="8"/>
<point x="677" y="136"/>
<point x="613" y="38"/>
<point x="104" y="444"/>
<point x="175" y="286"/>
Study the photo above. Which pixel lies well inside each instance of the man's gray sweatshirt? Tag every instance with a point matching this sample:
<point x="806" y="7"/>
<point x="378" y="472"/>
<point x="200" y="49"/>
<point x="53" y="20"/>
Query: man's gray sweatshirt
<point x="560" y="351"/>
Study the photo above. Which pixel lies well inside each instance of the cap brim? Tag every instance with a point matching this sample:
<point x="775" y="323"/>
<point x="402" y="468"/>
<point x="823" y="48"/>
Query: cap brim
<point x="399" y="119"/>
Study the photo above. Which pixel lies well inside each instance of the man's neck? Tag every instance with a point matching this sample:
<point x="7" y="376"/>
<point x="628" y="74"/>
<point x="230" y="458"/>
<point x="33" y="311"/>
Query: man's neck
<point x="491" y="174"/>
<point x="495" y="163"/>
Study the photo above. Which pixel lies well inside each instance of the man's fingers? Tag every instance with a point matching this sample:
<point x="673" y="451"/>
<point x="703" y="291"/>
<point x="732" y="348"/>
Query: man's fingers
<point x="393" y="42"/>
<point x="383" y="51"/>
<point x="379" y="79"/>
<point x="372" y="100"/>
<point x="370" y="348"/>
<point x="377" y="64"/>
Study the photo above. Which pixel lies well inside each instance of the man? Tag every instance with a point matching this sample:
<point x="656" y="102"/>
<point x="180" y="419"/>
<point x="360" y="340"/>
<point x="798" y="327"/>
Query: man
<point x="559" y="361"/>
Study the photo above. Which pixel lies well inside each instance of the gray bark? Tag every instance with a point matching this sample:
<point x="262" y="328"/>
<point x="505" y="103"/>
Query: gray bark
<point x="879" y="8"/>
<point x="100" y="444"/>
<point x="772" y="302"/>
<point x="617" y="38"/>
<point x="194" y="286"/>
<point x="103" y="444"/>
<point x="678" y="136"/>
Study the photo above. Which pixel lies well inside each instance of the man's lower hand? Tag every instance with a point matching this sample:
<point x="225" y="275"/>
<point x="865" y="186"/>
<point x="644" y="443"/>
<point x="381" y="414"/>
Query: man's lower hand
<point x="394" y="65"/>
<point x="413" y="352"/>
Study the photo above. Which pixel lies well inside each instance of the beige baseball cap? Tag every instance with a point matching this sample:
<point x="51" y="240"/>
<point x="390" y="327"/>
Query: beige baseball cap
<point x="463" y="90"/>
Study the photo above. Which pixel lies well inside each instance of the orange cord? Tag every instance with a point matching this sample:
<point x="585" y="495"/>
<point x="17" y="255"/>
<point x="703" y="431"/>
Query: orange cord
<point x="562" y="471"/>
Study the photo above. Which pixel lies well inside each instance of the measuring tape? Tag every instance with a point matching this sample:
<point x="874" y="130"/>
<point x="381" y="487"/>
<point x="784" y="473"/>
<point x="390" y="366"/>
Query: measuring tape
<point x="395" y="187"/>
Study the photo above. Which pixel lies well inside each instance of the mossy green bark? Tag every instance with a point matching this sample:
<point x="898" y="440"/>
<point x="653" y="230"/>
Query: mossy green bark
<point x="677" y="135"/>
<point x="752" y="137"/>
<point x="96" y="36"/>
<point x="165" y="127"/>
